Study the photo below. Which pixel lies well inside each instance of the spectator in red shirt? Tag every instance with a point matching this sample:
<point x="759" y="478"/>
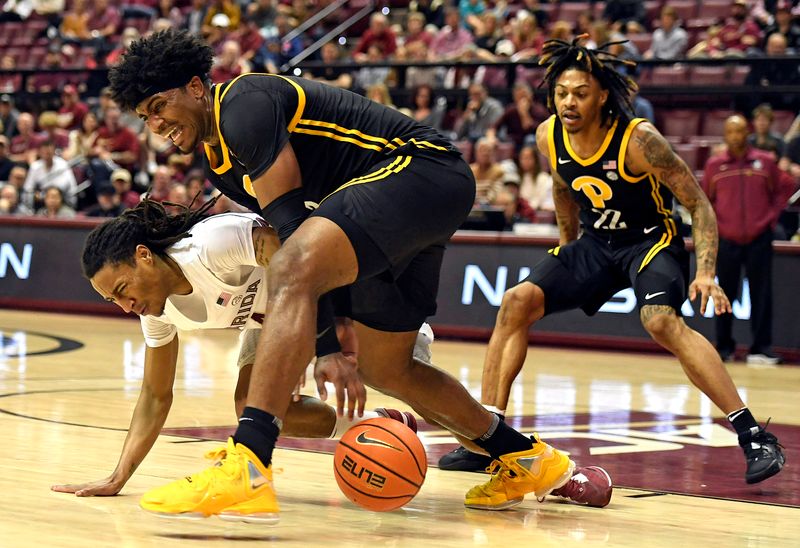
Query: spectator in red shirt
<point x="415" y="30"/>
<point x="229" y="64"/>
<point x="24" y="145"/>
<point x="748" y="193"/>
<point x="105" y="21"/>
<point x="48" y="124"/>
<point x="72" y="111"/>
<point x="129" y="36"/>
<point x="739" y="33"/>
<point x="377" y="33"/>
<point x="121" y="180"/>
<point x="520" y="118"/>
<point x="115" y="142"/>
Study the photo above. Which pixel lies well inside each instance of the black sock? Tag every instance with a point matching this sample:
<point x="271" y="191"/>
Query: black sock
<point x="743" y="422"/>
<point x="258" y="431"/>
<point x="501" y="439"/>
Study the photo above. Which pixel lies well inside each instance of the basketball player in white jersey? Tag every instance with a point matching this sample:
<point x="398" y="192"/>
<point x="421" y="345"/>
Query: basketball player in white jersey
<point x="188" y="272"/>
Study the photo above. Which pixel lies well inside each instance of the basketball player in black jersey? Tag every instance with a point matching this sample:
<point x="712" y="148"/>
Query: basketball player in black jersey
<point x="616" y="176"/>
<point x="362" y="198"/>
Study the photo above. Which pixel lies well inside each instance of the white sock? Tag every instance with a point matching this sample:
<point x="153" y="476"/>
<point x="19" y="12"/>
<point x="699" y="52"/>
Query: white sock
<point x="493" y="409"/>
<point x="344" y="423"/>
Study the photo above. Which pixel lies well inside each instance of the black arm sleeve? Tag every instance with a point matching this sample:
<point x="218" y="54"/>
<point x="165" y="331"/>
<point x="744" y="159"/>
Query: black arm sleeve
<point x="285" y="214"/>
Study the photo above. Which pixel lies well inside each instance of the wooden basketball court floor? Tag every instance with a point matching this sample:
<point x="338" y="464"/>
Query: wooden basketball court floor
<point x="68" y="385"/>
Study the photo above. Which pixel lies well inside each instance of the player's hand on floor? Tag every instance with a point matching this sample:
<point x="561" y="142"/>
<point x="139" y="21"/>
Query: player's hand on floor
<point x="103" y="488"/>
<point x="342" y="372"/>
<point x="707" y="287"/>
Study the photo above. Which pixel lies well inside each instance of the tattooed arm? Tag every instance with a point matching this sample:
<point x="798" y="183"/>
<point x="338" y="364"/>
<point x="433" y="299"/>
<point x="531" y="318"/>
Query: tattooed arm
<point x="265" y="243"/>
<point x="566" y="207"/>
<point x="650" y="152"/>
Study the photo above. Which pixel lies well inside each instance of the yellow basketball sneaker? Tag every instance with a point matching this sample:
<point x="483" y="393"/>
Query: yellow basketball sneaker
<point x="237" y="488"/>
<point x="538" y="470"/>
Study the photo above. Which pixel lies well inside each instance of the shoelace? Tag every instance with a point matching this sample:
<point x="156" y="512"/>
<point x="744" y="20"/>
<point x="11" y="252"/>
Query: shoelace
<point x="762" y="436"/>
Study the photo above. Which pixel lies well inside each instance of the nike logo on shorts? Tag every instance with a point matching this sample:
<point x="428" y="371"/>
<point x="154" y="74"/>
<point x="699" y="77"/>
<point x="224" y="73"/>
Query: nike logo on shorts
<point x="652" y="295"/>
<point x="651" y="229"/>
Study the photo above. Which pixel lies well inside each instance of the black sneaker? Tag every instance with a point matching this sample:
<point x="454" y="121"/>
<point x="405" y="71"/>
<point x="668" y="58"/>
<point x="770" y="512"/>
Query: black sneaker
<point x="464" y="460"/>
<point x="763" y="453"/>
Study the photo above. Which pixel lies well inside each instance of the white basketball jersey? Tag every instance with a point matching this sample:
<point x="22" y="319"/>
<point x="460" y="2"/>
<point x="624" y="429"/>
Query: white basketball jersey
<point x="228" y="285"/>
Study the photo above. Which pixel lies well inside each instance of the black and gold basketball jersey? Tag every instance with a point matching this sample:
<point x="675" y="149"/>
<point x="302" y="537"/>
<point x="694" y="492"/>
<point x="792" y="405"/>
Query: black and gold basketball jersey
<point x="336" y="135"/>
<point x="613" y="202"/>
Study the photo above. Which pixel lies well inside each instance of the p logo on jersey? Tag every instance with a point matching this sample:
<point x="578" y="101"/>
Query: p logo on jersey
<point x="595" y="189"/>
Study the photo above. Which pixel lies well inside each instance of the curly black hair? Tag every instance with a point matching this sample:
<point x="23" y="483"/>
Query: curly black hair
<point x="149" y="223"/>
<point x="559" y="56"/>
<point x="165" y="60"/>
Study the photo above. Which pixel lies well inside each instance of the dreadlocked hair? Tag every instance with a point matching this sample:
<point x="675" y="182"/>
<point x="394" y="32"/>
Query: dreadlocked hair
<point x="559" y="56"/>
<point x="149" y="224"/>
<point x="164" y="60"/>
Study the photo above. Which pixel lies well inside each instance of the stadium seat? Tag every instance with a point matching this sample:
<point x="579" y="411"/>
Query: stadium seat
<point x="672" y="75"/>
<point x="569" y="11"/>
<point x="714" y="9"/>
<point x="689" y="153"/>
<point x="682" y="123"/>
<point x="504" y="151"/>
<point x="714" y="122"/>
<point x="466" y="149"/>
<point x="532" y="76"/>
<point x="652" y="10"/>
<point x="739" y="74"/>
<point x="686" y="9"/>
<point x="709" y="75"/>
<point x="783" y="120"/>
<point x="641" y="41"/>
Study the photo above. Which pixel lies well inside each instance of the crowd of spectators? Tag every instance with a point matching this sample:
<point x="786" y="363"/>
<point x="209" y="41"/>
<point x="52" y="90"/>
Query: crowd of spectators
<point x="72" y="150"/>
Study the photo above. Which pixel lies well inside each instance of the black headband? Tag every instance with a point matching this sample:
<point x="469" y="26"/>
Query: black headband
<point x="145" y="90"/>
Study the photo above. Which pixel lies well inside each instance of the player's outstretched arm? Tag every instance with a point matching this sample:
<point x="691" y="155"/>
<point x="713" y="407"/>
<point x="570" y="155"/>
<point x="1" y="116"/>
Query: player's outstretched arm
<point x="566" y="207"/>
<point x="650" y="152"/>
<point x="155" y="400"/>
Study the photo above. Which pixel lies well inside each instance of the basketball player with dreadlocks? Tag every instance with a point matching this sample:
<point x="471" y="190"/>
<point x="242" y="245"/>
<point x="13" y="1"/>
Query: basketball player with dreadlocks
<point x="190" y="271"/>
<point x="617" y="176"/>
<point x="387" y="193"/>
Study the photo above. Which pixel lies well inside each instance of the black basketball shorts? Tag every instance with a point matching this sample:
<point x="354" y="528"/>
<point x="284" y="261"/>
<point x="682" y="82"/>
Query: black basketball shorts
<point x="588" y="272"/>
<point x="398" y="217"/>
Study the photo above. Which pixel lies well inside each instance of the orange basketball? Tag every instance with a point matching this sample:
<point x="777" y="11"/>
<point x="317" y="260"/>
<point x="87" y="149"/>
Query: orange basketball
<point x="380" y="464"/>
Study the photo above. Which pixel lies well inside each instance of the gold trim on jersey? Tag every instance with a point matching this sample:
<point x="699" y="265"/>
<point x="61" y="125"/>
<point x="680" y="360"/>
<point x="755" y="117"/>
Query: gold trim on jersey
<point x="597" y="155"/>
<point x="210" y="154"/>
<point x="397" y="165"/>
<point x="672" y="230"/>
<point x="219" y="97"/>
<point x="551" y="142"/>
<point x="623" y="148"/>
<point x="554" y="251"/>
<point x="357" y="137"/>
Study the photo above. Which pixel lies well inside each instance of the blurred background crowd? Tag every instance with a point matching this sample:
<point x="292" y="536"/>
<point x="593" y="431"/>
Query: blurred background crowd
<point x="465" y="67"/>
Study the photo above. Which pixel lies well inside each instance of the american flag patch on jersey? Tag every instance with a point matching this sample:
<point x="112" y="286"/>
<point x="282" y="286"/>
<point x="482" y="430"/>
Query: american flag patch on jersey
<point x="611" y="164"/>
<point x="223" y="299"/>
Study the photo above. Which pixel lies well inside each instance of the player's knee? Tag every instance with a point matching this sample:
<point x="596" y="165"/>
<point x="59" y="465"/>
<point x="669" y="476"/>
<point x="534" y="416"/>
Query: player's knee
<point x="521" y="306"/>
<point x="660" y="322"/>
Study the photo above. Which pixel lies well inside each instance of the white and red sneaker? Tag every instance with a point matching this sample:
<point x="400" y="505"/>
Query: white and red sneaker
<point x="400" y="416"/>
<point x="589" y="485"/>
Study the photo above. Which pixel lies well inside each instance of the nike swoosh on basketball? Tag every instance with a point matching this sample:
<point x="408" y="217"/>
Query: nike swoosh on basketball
<point x="651" y="295"/>
<point x="651" y="229"/>
<point x="560" y="161"/>
<point x="364" y="440"/>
